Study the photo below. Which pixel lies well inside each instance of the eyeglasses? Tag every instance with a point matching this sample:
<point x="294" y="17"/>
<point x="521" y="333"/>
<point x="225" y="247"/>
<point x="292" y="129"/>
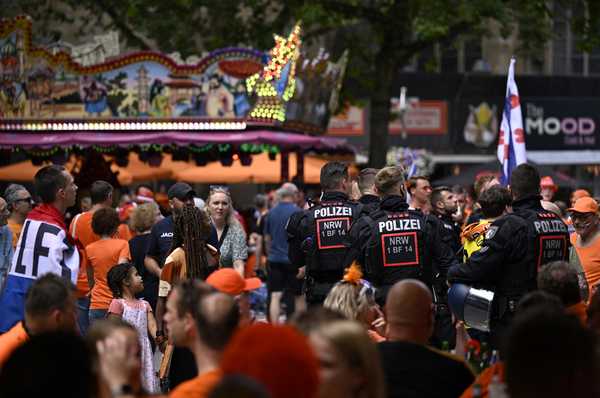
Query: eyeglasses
<point x="29" y="200"/>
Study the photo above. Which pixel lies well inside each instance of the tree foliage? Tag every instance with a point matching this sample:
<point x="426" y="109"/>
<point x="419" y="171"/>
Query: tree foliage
<point x="382" y="35"/>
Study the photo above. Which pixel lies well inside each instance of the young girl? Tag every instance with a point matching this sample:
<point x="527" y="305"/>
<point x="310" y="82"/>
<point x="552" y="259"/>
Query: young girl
<point x="125" y="283"/>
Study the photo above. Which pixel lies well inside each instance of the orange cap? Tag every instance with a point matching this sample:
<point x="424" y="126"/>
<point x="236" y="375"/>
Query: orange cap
<point x="580" y="193"/>
<point x="229" y="281"/>
<point x="585" y="205"/>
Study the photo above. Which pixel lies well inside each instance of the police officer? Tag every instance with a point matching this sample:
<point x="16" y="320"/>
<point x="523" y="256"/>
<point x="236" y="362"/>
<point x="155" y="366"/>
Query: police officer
<point x="316" y="236"/>
<point x="395" y="243"/>
<point x="443" y="206"/>
<point x="366" y="186"/>
<point x="516" y="245"/>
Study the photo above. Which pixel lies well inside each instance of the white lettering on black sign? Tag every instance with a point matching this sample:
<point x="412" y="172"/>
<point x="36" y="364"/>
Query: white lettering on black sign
<point x="552" y="248"/>
<point x="333" y="211"/>
<point x="400" y="249"/>
<point x="549" y="226"/>
<point x="331" y="232"/>
<point x="409" y="224"/>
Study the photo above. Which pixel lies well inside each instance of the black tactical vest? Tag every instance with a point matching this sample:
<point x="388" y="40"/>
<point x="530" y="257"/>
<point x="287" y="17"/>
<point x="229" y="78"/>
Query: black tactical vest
<point x="329" y="223"/>
<point x="397" y="248"/>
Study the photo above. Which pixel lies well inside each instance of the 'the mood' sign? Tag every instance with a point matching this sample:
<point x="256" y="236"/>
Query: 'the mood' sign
<point x="561" y="123"/>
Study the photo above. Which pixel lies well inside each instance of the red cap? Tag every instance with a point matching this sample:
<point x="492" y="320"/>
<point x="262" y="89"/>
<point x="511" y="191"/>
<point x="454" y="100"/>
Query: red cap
<point x="585" y="205"/>
<point x="229" y="281"/>
<point x="145" y="195"/>
<point x="548" y="182"/>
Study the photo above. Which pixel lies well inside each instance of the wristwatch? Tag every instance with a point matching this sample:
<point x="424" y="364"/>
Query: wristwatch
<point x="122" y="390"/>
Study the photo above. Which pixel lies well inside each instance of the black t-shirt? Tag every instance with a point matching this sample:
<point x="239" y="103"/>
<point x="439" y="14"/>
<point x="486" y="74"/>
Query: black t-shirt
<point x="161" y="237"/>
<point x="413" y="370"/>
<point x="138" y="247"/>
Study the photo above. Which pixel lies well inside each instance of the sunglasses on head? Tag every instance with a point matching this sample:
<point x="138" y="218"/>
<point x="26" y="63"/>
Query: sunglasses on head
<point x="219" y="188"/>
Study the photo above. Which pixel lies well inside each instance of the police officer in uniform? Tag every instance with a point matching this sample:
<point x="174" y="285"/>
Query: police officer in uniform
<point x="443" y="206"/>
<point x="366" y="185"/>
<point x="515" y="247"/>
<point x="316" y="236"/>
<point x="395" y="243"/>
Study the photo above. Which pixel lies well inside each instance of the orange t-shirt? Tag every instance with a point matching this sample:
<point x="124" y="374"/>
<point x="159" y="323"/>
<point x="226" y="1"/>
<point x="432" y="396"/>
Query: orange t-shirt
<point x="82" y="233"/>
<point x="198" y="387"/>
<point x="102" y="256"/>
<point x="580" y="311"/>
<point x="589" y="256"/>
<point x="484" y="380"/>
<point x="16" y="232"/>
<point x="10" y="341"/>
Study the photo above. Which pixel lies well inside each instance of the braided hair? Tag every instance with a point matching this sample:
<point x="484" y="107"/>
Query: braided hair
<point x="115" y="277"/>
<point x="191" y="232"/>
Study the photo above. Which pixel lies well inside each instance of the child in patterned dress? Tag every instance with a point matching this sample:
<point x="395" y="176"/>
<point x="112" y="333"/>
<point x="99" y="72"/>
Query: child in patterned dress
<point x="125" y="282"/>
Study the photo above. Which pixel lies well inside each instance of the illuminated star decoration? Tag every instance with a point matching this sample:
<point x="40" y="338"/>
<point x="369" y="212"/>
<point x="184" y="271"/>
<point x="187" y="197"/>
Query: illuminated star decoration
<point x="276" y="83"/>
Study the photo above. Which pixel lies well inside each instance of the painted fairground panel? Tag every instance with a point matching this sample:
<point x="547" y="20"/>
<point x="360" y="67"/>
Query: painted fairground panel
<point x="94" y="81"/>
<point x="52" y="83"/>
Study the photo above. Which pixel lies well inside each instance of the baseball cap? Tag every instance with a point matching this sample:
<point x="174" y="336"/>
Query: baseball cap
<point x="181" y="191"/>
<point x="548" y="182"/>
<point x="229" y="281"/>
<point x="585" y="205"/>
<point x="145" y="195"/>
<point x="580" y="193"/>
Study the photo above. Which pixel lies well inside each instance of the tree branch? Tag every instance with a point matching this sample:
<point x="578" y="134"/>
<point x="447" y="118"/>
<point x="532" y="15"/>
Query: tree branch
<point x="417" y="46"/>
<point x="120" y="22"/>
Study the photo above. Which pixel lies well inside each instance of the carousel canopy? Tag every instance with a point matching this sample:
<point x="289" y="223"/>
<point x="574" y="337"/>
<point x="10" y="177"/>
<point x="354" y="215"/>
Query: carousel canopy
<point x="238" y="100"/>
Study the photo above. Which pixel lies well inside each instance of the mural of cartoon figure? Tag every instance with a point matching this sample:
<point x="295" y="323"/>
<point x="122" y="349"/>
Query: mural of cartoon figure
<point x="241" y="104"/>
<point x="219" y="101"/>
<point x="94" y="96"/>
<point x="39" y="90"/>
<point x="159" y="100"/>
<point x="13" y="99"/>
<point x="197" y="105"/>
<point x="481" y="128"/>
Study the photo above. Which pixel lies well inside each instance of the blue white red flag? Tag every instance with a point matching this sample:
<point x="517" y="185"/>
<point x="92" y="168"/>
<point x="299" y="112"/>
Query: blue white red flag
<point x="511" y="139"/>
<point x="43" y="247"/>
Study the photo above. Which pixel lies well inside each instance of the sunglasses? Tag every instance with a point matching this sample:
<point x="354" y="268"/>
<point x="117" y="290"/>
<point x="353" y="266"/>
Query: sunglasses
<point x="219" y="188"/>
<point x="29" y="200"/>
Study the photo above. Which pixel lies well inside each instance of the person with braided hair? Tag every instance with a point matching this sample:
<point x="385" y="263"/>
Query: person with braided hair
<point x="191" y="258"/>
<point x="125" y="282"/>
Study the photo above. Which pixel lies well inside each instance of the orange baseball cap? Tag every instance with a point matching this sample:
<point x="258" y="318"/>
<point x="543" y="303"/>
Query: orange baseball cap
<point x="580" y="193"/>
<point x="585" y="205"/>
<point x="229" y="281"/>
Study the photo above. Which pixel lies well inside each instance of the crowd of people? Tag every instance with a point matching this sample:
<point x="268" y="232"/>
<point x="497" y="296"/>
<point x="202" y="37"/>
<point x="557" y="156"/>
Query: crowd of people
<point x="358" y="293"/>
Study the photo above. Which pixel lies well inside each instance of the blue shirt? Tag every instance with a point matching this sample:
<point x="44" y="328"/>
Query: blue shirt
<point x="6" y="252"/>
<point x="275" y="223"/>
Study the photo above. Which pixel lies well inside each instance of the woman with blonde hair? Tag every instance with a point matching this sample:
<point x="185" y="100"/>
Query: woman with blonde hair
<point x="227" y="234"/>
<point x="354" y="298"/>
<point x="350" y="366"/>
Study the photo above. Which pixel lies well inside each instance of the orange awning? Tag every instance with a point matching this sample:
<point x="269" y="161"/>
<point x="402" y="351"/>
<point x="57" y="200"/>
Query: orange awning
<point x="261" y="171"/>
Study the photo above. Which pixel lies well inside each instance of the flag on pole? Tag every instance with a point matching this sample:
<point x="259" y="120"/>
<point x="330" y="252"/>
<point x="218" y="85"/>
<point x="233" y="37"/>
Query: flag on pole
<point x="511" y="140"/>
